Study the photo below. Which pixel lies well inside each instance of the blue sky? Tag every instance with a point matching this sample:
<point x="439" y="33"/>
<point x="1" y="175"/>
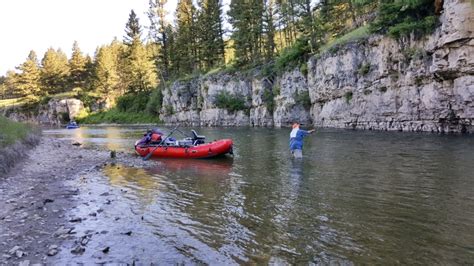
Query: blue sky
<point x="37" y="25"/>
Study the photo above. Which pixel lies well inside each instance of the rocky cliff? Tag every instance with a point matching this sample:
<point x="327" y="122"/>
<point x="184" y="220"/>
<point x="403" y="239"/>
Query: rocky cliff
<point x="54" y="112"/>
<point x="378" y="83"/>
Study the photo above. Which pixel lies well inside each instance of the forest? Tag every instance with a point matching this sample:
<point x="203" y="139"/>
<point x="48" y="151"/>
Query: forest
<point x="270" y="35"/>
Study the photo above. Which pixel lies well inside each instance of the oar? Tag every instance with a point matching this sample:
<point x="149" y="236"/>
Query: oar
<point x="157" y="146"/>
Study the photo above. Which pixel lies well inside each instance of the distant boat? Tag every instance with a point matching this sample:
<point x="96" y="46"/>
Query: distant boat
<point x="72" y="125"/>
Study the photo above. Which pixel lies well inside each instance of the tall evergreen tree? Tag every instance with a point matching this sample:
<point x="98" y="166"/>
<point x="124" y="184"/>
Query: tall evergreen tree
<point x="132" y="29"/>
<point x="55" y="71"/>
<point x="159" y="31"/>
<point x="269" y="28"/>
<point x="77" y="66"/>
<point x="107" y="78"/>
<point x="211" y="33"/>
<point x="140" y="68"/>
<point x="27" y="81"/>
<point x="10" y="85"/>
<point x="246" y="19"/>
<point x="186" y="39"/>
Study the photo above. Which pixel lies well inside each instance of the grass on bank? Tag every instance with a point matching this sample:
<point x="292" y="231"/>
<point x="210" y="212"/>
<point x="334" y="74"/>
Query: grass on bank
<point x="356" y="34"/>
<point x="10" y="102"/>
<point x="114" y="116"/>
<point x="11" y="131"/>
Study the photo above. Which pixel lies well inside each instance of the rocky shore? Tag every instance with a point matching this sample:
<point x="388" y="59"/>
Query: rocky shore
<point x="39" y="196"/>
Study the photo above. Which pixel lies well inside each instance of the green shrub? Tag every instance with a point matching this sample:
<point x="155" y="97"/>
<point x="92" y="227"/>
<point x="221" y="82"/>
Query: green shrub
<point x="268" y="99"/>
<point x="155" y="102"/>
<point x="116" y="116"/>
<point x="88" y="98"/>
<point x="136" y="102"/>
<point x="230" y="102"/>
<point x="414" y="53"/>
<point x="348" y="95"/>
<point x="303" y="99"/>
<point x="45" y="99"/>
<point x="292" y="56"/>
<point x="276" y="90"/>
<point x="169" y="110"/>
<point x="402" y="17"/>
<point x="364" y="69"/>
<point x="304" y="69"/>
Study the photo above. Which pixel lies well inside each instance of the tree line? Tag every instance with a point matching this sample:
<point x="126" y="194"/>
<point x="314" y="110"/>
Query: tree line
<point x="197" y="42"/>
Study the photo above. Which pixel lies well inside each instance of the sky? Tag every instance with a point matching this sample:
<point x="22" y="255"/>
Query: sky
<point x="37" y="25"/>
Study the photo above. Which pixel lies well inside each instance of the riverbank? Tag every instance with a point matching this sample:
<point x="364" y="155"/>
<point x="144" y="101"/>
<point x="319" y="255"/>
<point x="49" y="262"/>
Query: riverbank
<point x="37" y="195"/>
<point x="16" y="139"/>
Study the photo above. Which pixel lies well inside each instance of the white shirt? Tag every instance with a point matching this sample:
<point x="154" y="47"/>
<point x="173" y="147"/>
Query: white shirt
<point x="293" y="132"/>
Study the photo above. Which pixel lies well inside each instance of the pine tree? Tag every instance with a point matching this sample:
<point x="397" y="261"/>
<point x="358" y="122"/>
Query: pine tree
<point x="211" y="34"/>
<point x="27" y="81"/>
<point x="10" y="85"/>
<point x="77" y="66"/>
<point x="269" y="28"/>
<point x="132" y="29"/>
<point x="159" y="30"/>
<point x="246" y="19"/>
<point x="107" y="78"/>
<point x="140" y="70"/>
<point x="186" y="42"/>
<point x="55" y="71"/>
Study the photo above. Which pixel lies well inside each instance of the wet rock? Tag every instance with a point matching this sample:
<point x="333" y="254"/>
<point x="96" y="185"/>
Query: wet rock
<point x="62" y="231"/>
<point x="13" y="250"/>
<point x="24" y="263"/>
<point x="113" y="154"/>
<point x="78" y="250"/>
<point x="105" y="194"/>
<point x="76" y="220"/>
<point x="93" y="214"/>
<point x="53" y="250"/>
<point x="47" y="201"/>
<point x="76" y="143"/>
<point x="20" y="253"/>
<point x="129" y="233"/>
<point x="85" y="239"/>
<point x="105" y="249"/>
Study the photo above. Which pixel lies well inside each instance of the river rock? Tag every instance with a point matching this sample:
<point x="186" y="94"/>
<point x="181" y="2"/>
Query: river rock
<point x="78" y="250"/>
<point x="24" y="263"/>
<point x="53" y="250"/>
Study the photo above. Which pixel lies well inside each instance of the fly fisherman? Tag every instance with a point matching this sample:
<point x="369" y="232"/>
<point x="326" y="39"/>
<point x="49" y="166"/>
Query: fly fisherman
<point x="296" y="140"/>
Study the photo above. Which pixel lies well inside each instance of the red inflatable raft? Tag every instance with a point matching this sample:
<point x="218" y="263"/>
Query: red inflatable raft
<point x="205" y="150"/>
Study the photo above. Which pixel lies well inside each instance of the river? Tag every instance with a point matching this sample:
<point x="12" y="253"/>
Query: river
<point x="358" y="197"/>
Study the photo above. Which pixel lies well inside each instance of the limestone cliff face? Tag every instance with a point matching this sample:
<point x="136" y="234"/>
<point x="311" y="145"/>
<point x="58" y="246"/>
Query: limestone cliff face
<point x="55" y="112"/>
<point x="409" y="85"/>
<point x="379" y="83"/>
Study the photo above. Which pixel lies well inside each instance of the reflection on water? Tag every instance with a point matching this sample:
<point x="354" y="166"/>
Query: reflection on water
<point x="362" y="197"/>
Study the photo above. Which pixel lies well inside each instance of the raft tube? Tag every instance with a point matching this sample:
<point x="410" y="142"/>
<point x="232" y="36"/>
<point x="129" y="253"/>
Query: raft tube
<point x="206" y="150"/>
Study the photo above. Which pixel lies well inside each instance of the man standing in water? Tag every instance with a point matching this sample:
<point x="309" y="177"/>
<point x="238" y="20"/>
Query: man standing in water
<point x="296" y="140"/>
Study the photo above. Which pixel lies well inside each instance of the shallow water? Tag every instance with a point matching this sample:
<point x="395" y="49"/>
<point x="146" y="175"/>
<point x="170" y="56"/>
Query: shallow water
<point x="356" y="197"/>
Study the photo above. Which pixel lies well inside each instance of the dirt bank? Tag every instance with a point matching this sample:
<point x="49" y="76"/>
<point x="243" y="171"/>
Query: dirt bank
<point x="11" y="154"/>
<point x="37" y="194"/>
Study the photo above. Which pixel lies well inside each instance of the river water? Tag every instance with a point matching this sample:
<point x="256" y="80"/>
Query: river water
<point x="356" y="197"/>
